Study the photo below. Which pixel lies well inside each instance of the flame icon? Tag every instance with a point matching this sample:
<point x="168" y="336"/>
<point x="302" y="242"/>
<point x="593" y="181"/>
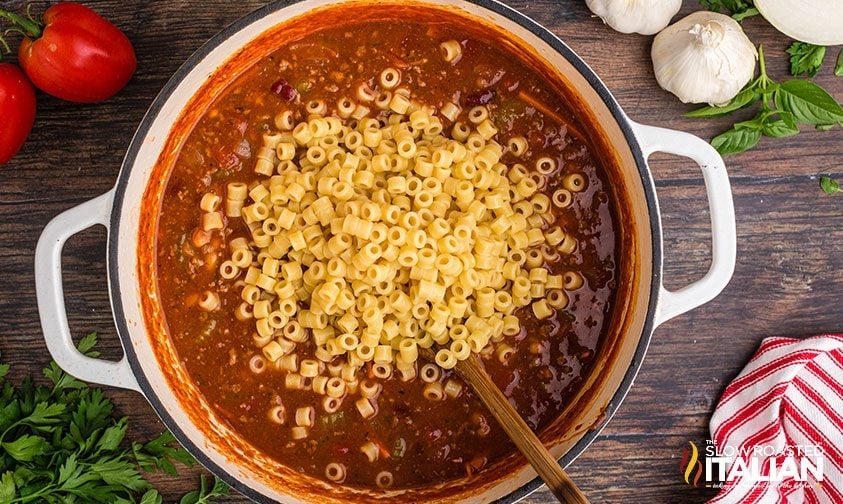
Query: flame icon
<point x="691" y="465"/>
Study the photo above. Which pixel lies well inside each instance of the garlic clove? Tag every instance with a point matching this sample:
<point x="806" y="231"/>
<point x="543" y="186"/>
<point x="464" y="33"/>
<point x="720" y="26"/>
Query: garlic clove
<point x="635" y="16"/>
<point x="818" y="22"/>
<point x="704" y="58"/>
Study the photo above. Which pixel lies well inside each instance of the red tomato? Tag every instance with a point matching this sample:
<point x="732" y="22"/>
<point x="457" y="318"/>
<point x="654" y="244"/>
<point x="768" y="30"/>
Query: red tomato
<point x="17" y="102"/>
<point x="78" y="56"/>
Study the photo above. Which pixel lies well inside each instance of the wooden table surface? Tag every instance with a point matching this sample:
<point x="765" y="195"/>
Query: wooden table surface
<point x="788" y="281"/>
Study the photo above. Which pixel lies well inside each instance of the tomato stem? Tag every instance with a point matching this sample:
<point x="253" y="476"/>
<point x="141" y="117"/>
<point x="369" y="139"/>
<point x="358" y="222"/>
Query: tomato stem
<point x="32" y="27"/>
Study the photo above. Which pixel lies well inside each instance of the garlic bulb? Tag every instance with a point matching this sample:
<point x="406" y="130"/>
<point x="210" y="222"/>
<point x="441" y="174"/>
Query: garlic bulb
<point x="818" y="22"/>
<point x="635" y="16"/>
<point x="704" y="58"/>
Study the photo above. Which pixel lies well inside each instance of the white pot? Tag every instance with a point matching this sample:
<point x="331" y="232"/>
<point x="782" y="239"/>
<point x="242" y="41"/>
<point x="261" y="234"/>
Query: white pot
<point x="150" y="365"/>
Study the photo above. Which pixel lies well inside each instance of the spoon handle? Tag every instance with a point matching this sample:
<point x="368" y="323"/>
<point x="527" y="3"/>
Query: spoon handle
<point x="528" y="443"/>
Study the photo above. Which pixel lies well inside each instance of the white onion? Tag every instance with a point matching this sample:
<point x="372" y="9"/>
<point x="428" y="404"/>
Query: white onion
<point x="817" y="22"/>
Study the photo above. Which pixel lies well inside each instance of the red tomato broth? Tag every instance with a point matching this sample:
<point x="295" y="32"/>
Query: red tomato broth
<point x="441" y="439"/>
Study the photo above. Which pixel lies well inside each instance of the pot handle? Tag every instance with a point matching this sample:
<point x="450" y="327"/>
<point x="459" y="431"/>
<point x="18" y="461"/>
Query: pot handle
<point x="721" y="208"/>
<point x="50" y="294"/>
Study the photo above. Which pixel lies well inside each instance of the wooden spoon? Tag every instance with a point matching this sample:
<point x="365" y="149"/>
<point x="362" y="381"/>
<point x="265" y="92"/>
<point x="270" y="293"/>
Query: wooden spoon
<point x="559" y="483"/>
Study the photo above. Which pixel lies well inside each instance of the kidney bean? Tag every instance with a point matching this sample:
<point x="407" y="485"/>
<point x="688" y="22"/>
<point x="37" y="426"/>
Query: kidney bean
<point x="479" y="98"/>
<point x="283" y="89"/>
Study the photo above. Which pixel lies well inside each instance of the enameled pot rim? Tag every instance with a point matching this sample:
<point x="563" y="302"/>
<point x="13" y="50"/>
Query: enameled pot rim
<point x="496" y="7"/>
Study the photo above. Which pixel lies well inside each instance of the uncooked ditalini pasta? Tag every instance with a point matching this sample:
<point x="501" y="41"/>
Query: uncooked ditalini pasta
<point x="371" y="239"/>
<point x="451" y="50"/>
<point x="361" y="208"/>
<point x="335" y="472"/>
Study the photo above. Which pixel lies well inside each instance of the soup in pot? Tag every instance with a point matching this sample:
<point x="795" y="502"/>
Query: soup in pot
<point x="369" y="189"/>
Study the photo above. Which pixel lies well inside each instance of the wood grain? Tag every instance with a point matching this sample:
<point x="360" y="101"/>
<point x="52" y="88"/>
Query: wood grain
<point x="788" y="281"/>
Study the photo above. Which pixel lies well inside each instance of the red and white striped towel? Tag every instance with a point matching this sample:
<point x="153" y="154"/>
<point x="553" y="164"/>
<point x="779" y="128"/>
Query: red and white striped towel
<point x="788" y="400"/>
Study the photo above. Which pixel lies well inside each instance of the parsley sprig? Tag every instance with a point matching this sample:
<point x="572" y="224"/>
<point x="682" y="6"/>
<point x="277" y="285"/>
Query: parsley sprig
<point x="738" y="9"/>
<point x="805" y="59"/>
<point x="205" y="492"/>
<point x="59" y="443"/>
<point x="781" y="109"/>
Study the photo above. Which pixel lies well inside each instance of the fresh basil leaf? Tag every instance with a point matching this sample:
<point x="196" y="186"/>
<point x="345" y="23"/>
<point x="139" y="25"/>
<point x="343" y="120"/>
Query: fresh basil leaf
<point x="829" y="185"/>
<point x="838" y="68"/>
<point x="805" y="58"/>
<point x="753" y="124"/>
<point x="825" y="127"/>
<point x="784" y="126"/>
<point x="808" y="102"/>
<point x="779" y="129"/>
<point x="741" y="100"/>
<point x="734" y="141"/>
<point x="769" y="90"/>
